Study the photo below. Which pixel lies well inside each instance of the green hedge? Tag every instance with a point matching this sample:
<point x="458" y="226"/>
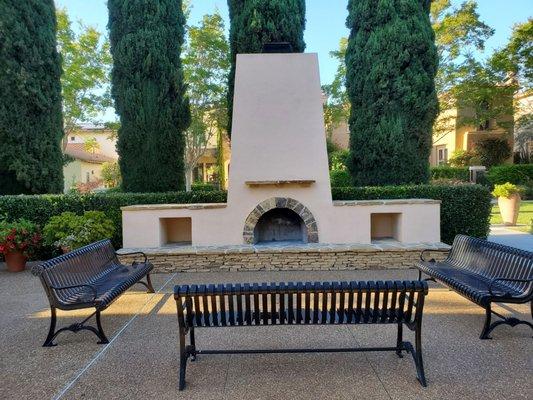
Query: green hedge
<point x="455" y="173"/>
<point x="340" y="178"/>
<point x="40" y="208"/>
<point x="519" y="174"/>
<point x="203" y="187"/>
<point x="464" y="209"/>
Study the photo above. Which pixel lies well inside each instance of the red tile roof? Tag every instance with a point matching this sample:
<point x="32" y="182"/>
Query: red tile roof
<point x="78" y="152"/>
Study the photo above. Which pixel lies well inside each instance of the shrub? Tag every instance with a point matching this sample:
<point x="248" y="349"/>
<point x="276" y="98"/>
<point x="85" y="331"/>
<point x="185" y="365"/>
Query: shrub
<point x="506" y="190"/>
<point x="453" y="173"/>
<point x="338" y="160"/>
<point x="493" y="151"/>
<point x="519" y="174"/>
<point x="111" y="174"/>
<point x="463" y="158"/>
<point x="203" y="187"/>
<point x="40" y="208"/>
<point x="72" y="231"/>
<point x="21" y="235"/>
<point x="464" y="209"/>
<point x="340" y="178"/>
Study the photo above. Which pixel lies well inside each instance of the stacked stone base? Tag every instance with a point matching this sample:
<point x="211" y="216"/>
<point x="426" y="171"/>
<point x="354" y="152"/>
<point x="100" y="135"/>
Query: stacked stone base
<point x="274" y="258"/>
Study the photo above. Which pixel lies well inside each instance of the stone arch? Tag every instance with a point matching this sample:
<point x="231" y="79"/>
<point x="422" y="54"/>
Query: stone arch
<point x="280" y="202"/>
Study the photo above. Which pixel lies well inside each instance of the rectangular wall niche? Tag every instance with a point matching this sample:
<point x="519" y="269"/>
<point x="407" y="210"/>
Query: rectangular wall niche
<point x="176" y="231"/>
<point x="385" y="226"/>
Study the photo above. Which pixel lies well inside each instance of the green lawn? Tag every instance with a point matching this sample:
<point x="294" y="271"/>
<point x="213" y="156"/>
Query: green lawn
<point x="524" y="217"/>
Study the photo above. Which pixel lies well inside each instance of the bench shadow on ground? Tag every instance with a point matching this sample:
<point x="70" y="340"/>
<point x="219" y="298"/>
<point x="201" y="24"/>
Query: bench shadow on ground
<point x="141" y="361"/>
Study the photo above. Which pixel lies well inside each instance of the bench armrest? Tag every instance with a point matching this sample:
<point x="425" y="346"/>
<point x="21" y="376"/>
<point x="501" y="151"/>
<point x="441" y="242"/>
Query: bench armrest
<point x="432" y="259"/>
<point x="508" y="280"/>
<point x="93" y="289"/>
<point x="133" y="253"/>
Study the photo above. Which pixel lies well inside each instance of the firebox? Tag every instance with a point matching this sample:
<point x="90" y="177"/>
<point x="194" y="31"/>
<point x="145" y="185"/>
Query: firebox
<point x="280" y="225"/>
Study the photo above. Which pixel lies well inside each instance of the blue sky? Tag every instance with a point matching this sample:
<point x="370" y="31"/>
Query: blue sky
<point x="325" y="21"/>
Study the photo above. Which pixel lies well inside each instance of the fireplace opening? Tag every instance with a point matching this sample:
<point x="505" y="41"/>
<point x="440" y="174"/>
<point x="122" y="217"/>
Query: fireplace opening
<point x="280" y="225"/>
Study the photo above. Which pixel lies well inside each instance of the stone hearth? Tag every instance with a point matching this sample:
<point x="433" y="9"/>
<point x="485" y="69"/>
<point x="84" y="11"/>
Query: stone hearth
<point x="380" y="254"/>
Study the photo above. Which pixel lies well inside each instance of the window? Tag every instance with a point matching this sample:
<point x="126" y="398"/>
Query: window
<point x="72" y="138"/>
<point x="87" y="177"/>
<point x="442" y="155"/>
<point x="198" y="173"/>
<point x="92" y="172"/>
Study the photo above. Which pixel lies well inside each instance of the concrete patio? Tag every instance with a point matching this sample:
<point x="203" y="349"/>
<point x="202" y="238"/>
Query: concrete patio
<point x="141" y="360"/>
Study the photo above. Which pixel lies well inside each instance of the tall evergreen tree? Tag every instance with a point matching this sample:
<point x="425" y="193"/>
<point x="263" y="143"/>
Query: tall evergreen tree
<point x="31" y="126"/>
<point x="391" y="63"/>
<point x="147" y="86"/>
<point x="256" y="22"/>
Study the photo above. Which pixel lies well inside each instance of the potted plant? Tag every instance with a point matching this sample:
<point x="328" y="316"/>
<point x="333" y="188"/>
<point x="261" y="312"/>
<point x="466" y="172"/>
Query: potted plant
<point x="18" y="241"/>
<point x="70" y="231"/>
<point x="508" y="196"/>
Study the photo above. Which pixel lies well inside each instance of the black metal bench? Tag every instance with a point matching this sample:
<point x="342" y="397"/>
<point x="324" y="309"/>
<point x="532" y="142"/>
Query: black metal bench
<point x="88" y="277"/>
<point x="485" y="273"/>
<point x="236" y="305"/>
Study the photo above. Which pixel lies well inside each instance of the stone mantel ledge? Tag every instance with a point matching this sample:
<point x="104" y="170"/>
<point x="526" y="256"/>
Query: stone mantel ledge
<point x="281" y="182"/>
<point x="340" y="203"/>
<point x="192" y="206"/>
<point x="376" y="246"/>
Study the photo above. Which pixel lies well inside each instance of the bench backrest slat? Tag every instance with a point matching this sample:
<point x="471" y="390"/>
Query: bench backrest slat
<point x="300" y="303"/>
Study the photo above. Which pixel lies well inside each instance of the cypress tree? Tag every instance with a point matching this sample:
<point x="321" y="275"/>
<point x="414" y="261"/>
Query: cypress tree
<point x="391" y="63"/>
<point x="31" y="126"/>
<point x="256" y="22"/>
<point x="146" y="38"/>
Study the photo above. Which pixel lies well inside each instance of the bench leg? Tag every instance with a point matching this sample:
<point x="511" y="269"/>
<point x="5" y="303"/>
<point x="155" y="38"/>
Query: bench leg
<point x="419" y="362"/>
<point x="76" y="327"/>
<point x="193" y="344"/>
<point x="399" y="340"/>
<point x="101" y="335"/>
<point x="183" y="360"/>
<point x="149" y="284"/>
<point x="49" y="342"/>
<point x="511" y="321"/>
<point x="486" y="326"/>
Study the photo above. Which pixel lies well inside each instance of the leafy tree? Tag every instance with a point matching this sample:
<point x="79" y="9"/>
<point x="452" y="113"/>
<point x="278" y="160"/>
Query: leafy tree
<point x="30" y="103"/>
<point x="336" y="107"/>
<point x="458" y="32"/>
<point x="493" y="151"/>
<point x="391" y="62"/>
<point x="256" y="22"/>
<point x="206" y="65"/>
<point x="149" y="92"/>
<point x="111" y="174"/>
<point x="91" y="145"/>
<point x="86" y="64"/>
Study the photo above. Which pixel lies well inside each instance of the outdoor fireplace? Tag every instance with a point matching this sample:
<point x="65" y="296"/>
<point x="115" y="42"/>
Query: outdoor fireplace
<point x="279" y="186"/>
<point x="280" y="225"/>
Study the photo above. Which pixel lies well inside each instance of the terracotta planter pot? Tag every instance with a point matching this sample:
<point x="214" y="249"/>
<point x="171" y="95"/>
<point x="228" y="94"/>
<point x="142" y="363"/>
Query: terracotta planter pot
<point x="509" y="208"/>
<point x="15" y="261"/>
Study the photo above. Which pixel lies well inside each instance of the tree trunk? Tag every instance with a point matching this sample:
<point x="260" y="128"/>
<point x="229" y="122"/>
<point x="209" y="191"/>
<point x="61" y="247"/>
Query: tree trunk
<point x="188" y="179"/>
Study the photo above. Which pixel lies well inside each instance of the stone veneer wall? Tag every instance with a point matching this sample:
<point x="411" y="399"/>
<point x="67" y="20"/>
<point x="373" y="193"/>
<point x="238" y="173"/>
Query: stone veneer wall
<point x="254" y="258"/>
